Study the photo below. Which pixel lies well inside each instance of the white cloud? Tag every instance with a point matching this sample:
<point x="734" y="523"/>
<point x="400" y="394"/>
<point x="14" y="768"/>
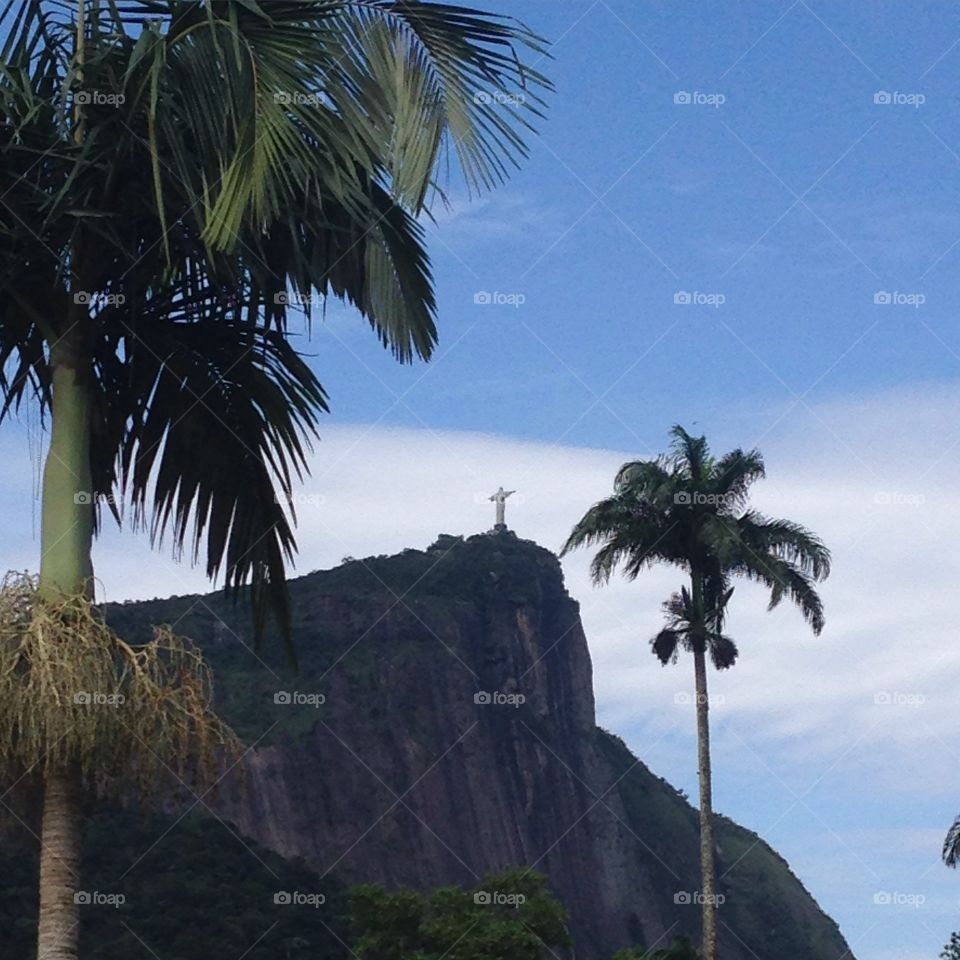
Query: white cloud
<point x="799" y="717"/>
<point x="891" y="634"/>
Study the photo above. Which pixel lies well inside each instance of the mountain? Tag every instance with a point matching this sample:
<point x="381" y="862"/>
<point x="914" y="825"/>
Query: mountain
<point x="442" y="727"/>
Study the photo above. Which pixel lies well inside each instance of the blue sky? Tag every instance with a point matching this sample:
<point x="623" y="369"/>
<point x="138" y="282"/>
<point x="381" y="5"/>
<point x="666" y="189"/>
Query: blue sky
<point x="797" y="200"/>
<point x="792" y="196"/>
<point x="790" y="199"/>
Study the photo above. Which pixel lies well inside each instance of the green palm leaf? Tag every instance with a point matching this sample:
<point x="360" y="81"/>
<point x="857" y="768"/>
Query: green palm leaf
<point x="206" y="167"/>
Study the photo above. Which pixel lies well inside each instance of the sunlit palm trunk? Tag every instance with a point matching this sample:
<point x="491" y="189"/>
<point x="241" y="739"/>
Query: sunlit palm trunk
<point x="707" y="866"/>
<point x="65" y="569"/>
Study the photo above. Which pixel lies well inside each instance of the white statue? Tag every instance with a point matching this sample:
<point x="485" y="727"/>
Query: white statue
<point x="500" y="497"/>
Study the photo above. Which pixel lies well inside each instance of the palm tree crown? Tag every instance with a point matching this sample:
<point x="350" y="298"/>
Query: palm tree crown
<point x="176" y="174"/>
<point x="689" y="510"/>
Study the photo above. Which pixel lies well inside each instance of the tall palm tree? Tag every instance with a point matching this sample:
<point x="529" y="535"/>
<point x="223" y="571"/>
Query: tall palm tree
<point x="174" y="174"/>
<point x="689" y="510"/>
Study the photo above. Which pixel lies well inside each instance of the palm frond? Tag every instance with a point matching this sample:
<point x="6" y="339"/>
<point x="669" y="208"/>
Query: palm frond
<point x="205" y="428"/>
<point x="788" y="540"/>
<point x="629" y="532"/>
<point x="691" y="454"/>
<point x="733" y="475"/>
<point x="951" y="845"/>
<point x="666" y="645"/>
<point x="723" y="651"/>
<point x="783" y="579"/>
<point x="687" y="629"/>
<point x="646" y="481"/>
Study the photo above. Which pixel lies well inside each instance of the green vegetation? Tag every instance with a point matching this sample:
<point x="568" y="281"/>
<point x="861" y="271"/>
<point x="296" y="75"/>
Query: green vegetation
<point x="191" y="889"/>
<point x="680" y="949"/>
<point x="507" y="916"/>
<point x="689" y="510"/>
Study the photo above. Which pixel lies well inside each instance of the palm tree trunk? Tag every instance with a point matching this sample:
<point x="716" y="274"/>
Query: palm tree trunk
<point x="66" y="520"/>
<point x="707" y="866"/>
<point x="66" y="538"/>
<point x="58" y="932"/>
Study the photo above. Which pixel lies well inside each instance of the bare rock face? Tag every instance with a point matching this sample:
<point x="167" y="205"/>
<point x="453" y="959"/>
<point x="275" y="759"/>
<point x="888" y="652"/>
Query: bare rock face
<point x="442" y="727"/>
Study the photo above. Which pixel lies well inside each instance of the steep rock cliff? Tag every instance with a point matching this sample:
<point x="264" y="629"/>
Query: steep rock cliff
<point x="442" y="727"/>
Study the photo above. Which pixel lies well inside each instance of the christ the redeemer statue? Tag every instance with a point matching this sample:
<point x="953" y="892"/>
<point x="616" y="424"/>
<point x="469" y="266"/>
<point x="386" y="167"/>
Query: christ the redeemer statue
<point x="500" y="497"/>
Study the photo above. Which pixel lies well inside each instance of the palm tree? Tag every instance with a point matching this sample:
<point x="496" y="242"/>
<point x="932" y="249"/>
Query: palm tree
<point x="176" y="175"/>
<point x="951" y="845"/>
<point x="689" y="510"/>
